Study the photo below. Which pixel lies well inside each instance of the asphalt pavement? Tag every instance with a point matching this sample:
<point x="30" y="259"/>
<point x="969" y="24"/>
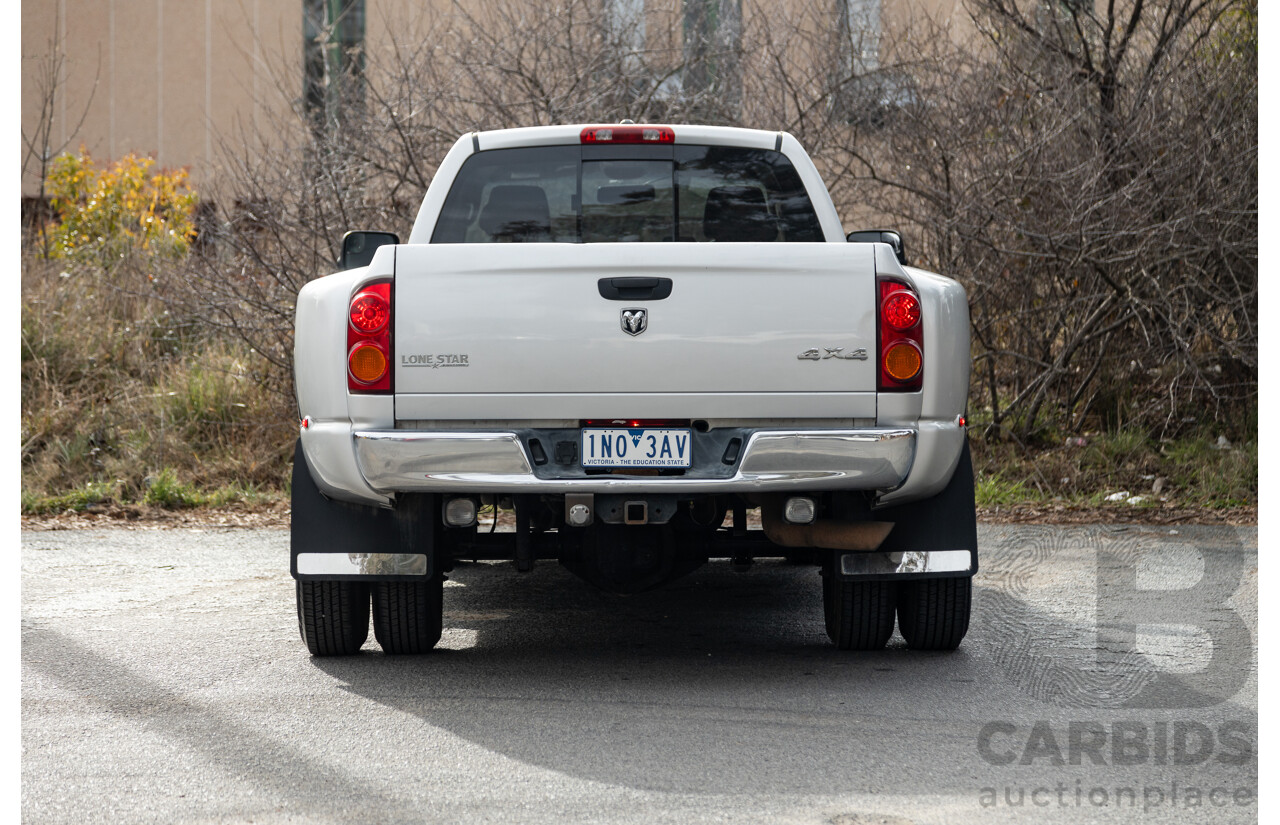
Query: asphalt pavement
<point x="1109" y="675"/>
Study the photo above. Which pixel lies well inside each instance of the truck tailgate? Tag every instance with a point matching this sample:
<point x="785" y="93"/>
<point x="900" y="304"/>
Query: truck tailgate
<point x="518" y="331"/>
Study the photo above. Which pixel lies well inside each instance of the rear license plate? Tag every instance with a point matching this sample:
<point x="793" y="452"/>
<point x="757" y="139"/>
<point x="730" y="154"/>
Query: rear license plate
<point x="641" y="447"/>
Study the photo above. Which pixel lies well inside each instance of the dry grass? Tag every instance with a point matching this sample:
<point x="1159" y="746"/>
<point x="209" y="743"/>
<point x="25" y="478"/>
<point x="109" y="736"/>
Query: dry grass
<point x="1092" y="471"/>
<point x="125" y="401"/>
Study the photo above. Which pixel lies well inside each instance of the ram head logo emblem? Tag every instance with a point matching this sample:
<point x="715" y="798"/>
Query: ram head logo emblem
<point x="635" y="321"/>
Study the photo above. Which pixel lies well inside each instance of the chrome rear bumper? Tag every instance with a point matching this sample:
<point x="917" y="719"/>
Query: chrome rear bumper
<point x="498" y="462"/>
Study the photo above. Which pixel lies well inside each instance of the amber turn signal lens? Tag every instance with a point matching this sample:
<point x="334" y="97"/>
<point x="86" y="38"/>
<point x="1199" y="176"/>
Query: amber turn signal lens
<point x="367" y="363"/>
<point x="902" y="362"/>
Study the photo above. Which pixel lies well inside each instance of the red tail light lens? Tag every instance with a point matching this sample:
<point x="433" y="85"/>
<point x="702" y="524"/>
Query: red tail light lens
<point x="901" y="338"/>
<point x="369" y="339"/>
<point x="628" y="134"/>
<point x="370" y="312"/>
<point x="901" y="310"/>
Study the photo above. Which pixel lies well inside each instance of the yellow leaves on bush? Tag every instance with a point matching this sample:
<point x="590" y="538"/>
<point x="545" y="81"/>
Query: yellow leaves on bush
<point x="103" y="213"/>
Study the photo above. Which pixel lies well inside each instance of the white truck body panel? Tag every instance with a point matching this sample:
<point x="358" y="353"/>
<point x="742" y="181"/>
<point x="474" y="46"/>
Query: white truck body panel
<point x="522" y="319"/>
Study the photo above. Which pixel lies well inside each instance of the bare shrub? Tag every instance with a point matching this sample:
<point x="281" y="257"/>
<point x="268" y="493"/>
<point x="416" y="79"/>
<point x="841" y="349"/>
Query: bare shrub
<point x="1091" y="175"/>
<point x="1089" y="172"/>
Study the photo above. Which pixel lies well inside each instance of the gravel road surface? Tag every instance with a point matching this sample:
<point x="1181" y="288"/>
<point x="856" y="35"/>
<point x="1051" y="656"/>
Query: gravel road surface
<point x="1110" y="675"/>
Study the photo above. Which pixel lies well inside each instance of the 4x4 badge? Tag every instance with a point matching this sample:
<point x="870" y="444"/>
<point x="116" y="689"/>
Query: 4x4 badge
<point x="814" y="354"/>
<point x="635" y="321"/>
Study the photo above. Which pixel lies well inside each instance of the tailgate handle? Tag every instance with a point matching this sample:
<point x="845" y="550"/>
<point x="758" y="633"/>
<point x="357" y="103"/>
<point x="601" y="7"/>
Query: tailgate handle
<point x="635" y="289"/>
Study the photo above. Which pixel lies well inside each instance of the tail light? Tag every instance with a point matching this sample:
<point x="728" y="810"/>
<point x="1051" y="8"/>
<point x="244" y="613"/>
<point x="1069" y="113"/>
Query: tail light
<point x="628" y="134"/>
<point x="369" y="339"/>
<point x="901" y="338"/>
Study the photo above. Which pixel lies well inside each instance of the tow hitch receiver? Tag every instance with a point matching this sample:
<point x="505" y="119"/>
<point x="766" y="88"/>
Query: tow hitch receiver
<point x="635" y="512"/>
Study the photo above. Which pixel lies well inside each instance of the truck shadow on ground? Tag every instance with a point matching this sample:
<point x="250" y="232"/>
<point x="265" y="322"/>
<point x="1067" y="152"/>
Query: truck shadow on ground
<point x="724" y="682"/>
<point x="720" y="682"/>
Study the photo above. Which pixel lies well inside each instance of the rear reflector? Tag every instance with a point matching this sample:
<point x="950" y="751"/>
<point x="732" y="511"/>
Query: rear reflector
<point x="628" y="134"/>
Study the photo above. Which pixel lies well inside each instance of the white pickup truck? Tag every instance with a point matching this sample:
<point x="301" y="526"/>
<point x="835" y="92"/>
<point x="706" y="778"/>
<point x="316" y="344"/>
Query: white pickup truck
<point x="631" y="336"/>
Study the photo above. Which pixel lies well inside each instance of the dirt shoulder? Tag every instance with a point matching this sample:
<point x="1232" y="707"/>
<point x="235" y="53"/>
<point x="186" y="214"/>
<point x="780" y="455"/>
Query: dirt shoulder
<point x="1062" y="514"/>
<point x="141" y="517"/>
<point x="277" y="515"/>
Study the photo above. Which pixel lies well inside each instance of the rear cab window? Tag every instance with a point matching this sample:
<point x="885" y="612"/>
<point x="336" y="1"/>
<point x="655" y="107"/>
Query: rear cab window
<point x="629" y="193"/>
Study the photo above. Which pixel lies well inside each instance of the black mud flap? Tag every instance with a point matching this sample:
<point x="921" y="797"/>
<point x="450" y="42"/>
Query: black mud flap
<point x="948" y="522"/>
<point x="342" y="541"/>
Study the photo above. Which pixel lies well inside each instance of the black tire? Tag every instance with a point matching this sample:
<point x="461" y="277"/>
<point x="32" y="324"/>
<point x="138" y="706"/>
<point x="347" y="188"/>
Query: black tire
<point x="408" y="615"/>
<point x="333" y="617"/>
<point x="859" y="615"/>
<point x="933" y="614"/>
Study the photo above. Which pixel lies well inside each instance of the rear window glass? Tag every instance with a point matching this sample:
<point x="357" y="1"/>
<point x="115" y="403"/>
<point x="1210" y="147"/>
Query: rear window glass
<point x="652" y="194"/>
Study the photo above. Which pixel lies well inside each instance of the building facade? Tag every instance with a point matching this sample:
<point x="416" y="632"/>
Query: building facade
<point x="182" y="80"/>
